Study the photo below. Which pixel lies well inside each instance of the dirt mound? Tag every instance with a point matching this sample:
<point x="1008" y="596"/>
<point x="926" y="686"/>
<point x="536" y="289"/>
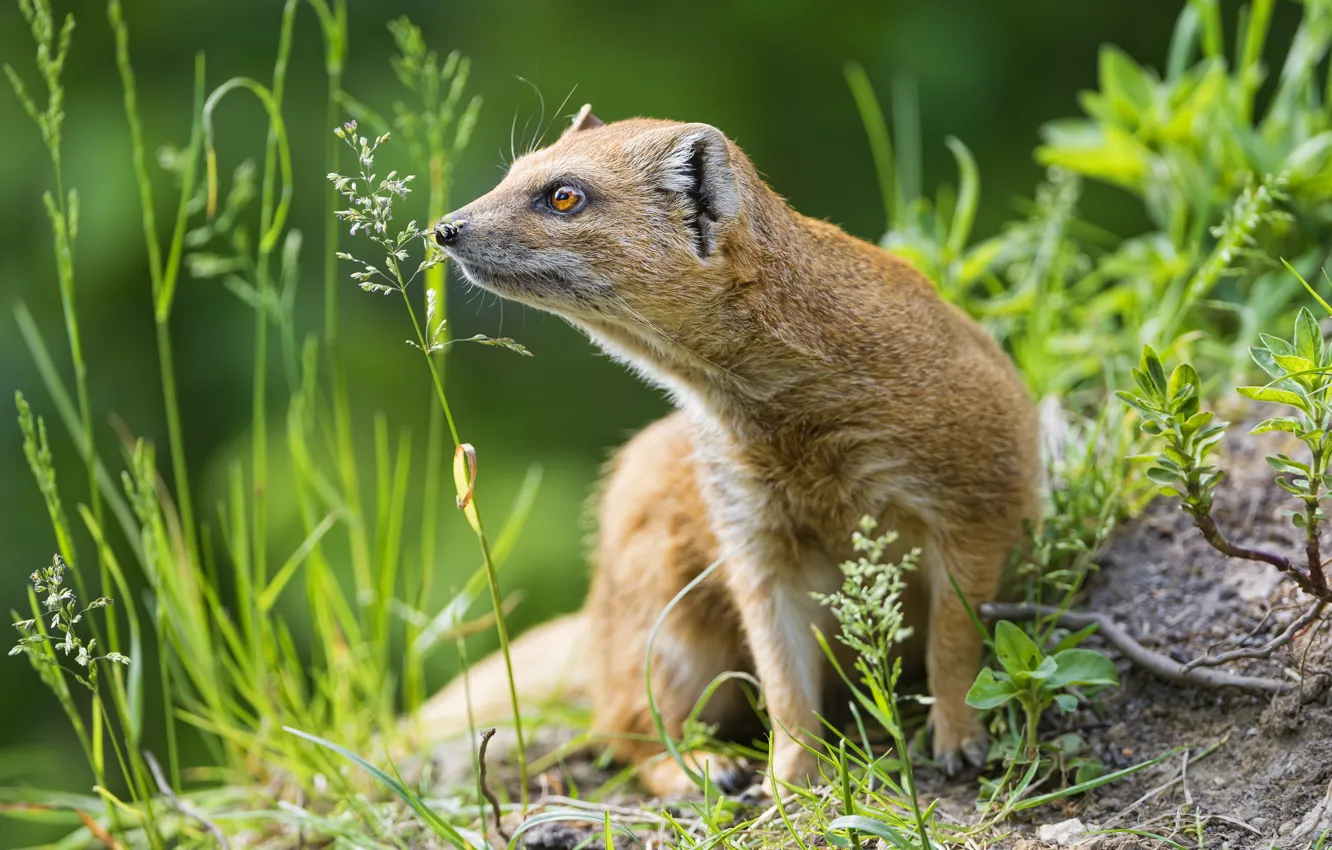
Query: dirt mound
<point x="1270" y="776"/>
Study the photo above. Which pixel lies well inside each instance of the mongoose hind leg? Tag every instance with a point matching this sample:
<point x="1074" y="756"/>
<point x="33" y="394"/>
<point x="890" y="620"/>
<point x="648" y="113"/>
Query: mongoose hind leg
<point x="653" y="538"/>
<point x="953" y="645"/>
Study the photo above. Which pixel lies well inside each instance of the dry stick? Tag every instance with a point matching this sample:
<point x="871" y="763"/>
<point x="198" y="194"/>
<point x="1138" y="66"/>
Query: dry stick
<point x="180" y="805"/>
<point x="486" y="735"/>
<point x="1266" y="650"/>
<point x="1153" y="662"/>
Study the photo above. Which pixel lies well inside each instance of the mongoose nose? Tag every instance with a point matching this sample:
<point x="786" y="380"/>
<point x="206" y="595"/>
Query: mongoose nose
<point x="446" y="232"/>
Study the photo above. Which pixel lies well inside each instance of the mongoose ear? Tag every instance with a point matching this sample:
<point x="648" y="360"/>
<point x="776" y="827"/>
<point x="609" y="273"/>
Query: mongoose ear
<point x="584" y="120"/>
<point x="698" y="166"/>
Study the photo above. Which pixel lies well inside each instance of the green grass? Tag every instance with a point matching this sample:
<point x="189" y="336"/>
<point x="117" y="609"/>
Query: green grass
<point x="294" y="665"/>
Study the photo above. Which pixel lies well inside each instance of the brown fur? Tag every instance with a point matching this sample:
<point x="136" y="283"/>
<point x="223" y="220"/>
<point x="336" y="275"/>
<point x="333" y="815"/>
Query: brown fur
<point x="820" y="379"/>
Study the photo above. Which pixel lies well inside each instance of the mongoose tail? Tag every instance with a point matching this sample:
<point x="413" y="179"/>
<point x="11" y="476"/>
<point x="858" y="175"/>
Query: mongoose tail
<point x="547" y="667"/>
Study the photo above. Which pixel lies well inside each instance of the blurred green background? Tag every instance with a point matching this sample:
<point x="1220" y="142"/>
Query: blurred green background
<point x="767" y="72"/>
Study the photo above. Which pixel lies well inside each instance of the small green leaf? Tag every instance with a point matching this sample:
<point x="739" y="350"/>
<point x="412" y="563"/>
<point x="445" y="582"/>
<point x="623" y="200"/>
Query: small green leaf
<point x="1184" y="377"/>
<point x="1077" y="637"/>
<point x="1045" y="669"/>
<point x="1284" y="463"/>
<point x="1267" y="362"/>
<point x="1082" y="667"/>
<point x="1088" y="769"/>
<point x="1015" y="649"/>
<point x="1308" y="336"/>
<point x="1196" y="422"/>
<point x="870" y="826"/>
<point x="1066" y="744"/>
<point x="1277" y="423"/>
<point x="1276" y="344"/>
<point x="1067" y="703"/>
<point x="1151" y="365"/>
<point x="1294" y="363"/>
<point x="988" y="692"/>
<point x="1126" y="84"/>
<point x="1271" y="394"/>
<point x="1135" y="402"/>
<point x="1284" y="483"/>
<point x="1163" y="476"/>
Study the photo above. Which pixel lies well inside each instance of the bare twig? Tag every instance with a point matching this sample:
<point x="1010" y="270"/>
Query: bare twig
<point x="180" y="805"/>
<point x="1153" y="662"/>
<point x="1266" y="650"/>
<point x="486" y="735"/>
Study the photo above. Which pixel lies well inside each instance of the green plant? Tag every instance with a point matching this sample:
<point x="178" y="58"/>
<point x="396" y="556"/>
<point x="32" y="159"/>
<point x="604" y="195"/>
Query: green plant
<point x="371" y="210"/>
<point x="437" y="127"/>
<point x="868" y="609"/>
<point x="59" y="605"/>
<point x="232" y="664"/>
<point x="1225" y="187"/>
<point x="1300" y="369"/>
<point x="1037" y="681"/>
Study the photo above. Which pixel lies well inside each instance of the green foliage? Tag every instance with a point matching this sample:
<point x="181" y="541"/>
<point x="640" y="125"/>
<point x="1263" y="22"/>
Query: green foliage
<point x="1035" y="680"/>
<point x="1171" y="410"/>
<point x="1300" y="372"/>
<point x="227" y="648"/>
<point x="370" y="211"/>
<point x="868" y="609"/>
<point x="1225" y="192"/>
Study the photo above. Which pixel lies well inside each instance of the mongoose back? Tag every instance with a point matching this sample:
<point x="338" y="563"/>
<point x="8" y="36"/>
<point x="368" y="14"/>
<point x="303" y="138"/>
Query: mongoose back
<point x="819" y="379"/>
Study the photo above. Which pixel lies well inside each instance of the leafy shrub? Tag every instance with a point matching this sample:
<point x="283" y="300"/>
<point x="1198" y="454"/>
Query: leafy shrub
<point x="1300" y="369"/>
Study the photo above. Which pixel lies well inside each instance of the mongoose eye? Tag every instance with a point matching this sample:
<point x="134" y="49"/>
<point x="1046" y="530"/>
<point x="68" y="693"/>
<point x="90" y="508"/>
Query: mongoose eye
<point x="566" y="200"/>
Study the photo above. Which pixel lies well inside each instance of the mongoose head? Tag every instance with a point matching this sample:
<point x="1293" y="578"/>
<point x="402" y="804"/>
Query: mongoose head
<point x="624" y="225"/>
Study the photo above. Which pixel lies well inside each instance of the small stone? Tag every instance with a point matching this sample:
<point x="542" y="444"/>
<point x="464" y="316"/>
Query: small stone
<point x="1286" y="828"/>
<point x="1253" y="730"/>
<point x="1261" y="823"/>
<point x="1062" y="834"/>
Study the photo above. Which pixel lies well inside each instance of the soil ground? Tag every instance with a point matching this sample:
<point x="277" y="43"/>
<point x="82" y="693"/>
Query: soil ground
<point x="1268" y="780"/>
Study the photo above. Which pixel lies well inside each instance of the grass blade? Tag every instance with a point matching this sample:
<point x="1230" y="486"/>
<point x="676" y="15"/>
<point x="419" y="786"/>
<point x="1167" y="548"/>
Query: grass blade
<point x="427" y="815"/>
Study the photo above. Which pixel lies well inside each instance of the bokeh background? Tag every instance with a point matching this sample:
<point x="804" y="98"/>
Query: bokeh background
<point x="768" y="72"/>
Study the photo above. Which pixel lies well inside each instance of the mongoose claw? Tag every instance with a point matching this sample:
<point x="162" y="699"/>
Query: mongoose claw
<point x="732" y="777"/>
<point x="972" y="752"/>
<point x="756" y="794"/>
<point x="950" y="762"/>
<point x="975" y="750"/>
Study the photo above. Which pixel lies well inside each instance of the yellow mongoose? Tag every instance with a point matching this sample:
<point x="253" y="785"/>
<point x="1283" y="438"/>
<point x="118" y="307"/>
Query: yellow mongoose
<point x="819" y="379"/>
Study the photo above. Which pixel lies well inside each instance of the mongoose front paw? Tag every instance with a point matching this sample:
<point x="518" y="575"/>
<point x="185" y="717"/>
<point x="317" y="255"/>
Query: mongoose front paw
<point x="954" y="757"/>
<point x="666" y="779"/>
